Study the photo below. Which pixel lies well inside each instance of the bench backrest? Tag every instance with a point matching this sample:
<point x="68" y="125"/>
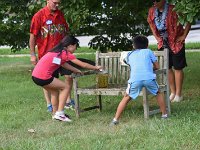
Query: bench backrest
<point x="119" y="74"/>
<point x="110" y="61"/>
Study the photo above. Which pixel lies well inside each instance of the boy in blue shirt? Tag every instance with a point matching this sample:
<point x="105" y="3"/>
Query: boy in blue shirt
<point x="142" y="61"/>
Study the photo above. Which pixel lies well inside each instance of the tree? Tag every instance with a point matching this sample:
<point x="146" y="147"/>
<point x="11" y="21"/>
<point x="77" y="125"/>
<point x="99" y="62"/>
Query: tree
<point x="188" y="10"/>
<point x="113" y="22"/>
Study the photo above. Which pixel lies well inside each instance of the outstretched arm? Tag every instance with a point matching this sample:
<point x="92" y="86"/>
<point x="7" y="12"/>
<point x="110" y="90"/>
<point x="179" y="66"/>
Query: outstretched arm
<point x="85" y="65"/>
<point x="70" y="67"/>
<point x="155" y="66"/>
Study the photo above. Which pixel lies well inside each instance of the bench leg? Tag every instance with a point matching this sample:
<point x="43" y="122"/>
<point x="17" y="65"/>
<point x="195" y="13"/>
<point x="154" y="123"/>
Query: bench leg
<point x="99" y="102"/>
<point x="167" y="102"/>
<point x="145" y="103"/>
<point x="77" y="106"/>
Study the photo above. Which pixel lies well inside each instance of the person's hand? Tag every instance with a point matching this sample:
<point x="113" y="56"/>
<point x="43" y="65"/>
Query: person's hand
<point x="98" y="68"/>
<point x="181" y="39"/>
<point x="78" y="72"/>
<point x="33" y="60"/>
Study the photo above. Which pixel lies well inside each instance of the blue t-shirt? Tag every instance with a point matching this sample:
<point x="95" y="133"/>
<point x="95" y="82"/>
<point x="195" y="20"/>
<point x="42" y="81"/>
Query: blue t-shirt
<point x="141" y="65"/>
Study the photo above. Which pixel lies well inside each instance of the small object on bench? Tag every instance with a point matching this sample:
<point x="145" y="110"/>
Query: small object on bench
<point x="115" y="81"/>
<point x="102" y="80"/>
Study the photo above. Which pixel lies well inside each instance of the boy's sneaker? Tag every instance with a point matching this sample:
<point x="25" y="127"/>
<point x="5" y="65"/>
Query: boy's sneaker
<point x="165" y="116"/>
<point x="49" y="108"/>
<point x="114" y="123"/>
<point x="63" y="117"/>
<point x="70" y="105"/>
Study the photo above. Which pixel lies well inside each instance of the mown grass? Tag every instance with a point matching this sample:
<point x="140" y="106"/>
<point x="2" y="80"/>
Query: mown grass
<point x="22" y="107"/>
<point x="8" y="51"/>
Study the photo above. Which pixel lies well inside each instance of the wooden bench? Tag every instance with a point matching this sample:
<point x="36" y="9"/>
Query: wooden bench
<point x="117" y="81"/>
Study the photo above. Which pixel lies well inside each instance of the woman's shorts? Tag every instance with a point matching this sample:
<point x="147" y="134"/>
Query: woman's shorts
<point x="177" y="61"/>
<point x="134" y="89"/>
<point x="41" y="82"/>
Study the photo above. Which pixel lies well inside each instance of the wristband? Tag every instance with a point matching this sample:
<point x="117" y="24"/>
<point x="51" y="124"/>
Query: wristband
<point x="33" y="54"/>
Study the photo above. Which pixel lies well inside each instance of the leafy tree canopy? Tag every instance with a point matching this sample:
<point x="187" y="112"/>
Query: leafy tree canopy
<point x="113" y="22"/>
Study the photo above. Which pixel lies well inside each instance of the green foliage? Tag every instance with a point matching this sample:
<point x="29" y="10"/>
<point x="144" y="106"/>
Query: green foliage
<point x="188" y="10"/>
<point x="112" y="22"/>
<point x="15" y="18"/>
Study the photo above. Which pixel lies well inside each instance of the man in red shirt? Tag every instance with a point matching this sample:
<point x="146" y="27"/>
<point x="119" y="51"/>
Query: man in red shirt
<point x="169" y="33"/>
<point x="48" y="27"/>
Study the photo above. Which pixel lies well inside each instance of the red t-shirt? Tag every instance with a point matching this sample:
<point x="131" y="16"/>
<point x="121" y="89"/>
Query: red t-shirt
<point x="46" y="66"/>
<point x="174" y="29"/>
<point x="48" y="28"/>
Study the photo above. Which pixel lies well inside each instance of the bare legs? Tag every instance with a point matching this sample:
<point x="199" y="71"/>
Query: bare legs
<point x="52" y="96"/>
<point x="122" y="106"/>
<point x="55" y="86"/>
<point x="126" y="99"/>
<point x="47" y="96"/>
<point x="175" y="82"/>
<point x="54" y="100"/>
<point x="69" y="82"/>
<point x="161" y="103"/>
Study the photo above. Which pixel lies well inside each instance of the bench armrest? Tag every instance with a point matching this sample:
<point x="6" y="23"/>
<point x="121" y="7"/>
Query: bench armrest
<point x="90" y="72"/>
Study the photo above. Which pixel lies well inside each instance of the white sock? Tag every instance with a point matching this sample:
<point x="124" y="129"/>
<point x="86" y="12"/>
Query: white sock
<point x="59" y="112"/>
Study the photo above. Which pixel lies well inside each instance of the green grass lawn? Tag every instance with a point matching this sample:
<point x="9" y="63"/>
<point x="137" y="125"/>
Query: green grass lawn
<point x="7" y="51"/>
<point x="22" y="107"/>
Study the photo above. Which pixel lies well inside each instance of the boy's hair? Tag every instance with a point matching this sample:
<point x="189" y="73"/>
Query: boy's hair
<point x="140" y="42"/>
<point x="66" y="41"/>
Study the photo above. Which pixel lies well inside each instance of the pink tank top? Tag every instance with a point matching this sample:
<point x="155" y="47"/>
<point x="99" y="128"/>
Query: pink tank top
<point x="49" y="63"/>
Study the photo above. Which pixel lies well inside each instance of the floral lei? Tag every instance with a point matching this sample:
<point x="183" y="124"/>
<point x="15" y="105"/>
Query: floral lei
<point x="160" y="20"/>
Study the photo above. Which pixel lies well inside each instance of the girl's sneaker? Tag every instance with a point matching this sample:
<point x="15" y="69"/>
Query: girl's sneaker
<point x="62" y="117"/>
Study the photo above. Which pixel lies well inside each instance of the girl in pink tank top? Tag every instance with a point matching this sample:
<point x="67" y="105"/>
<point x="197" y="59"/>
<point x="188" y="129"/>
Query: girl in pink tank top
<point x="48" y="64"/>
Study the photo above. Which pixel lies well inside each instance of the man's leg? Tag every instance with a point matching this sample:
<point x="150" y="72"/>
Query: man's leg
<point x="179" y="76"/>
<point x="47" y="97"/>
<point x="172" y="86"/>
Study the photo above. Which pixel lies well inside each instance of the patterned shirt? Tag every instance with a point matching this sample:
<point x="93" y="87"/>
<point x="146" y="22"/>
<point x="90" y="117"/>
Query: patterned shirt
<point x="174" y="29"/>
<point x="48" y="28"/>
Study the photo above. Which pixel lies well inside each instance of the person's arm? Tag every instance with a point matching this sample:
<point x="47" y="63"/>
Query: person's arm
<point x="152" y="24"/>
<point x="85" y="65"/>
<point x="70" y="67"/>
<point x="155" y="66"/>
<point x="186" y="31"/>
<point x="32" y="44"/>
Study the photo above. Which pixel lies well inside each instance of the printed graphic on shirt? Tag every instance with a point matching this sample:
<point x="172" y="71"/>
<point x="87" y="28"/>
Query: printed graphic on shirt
<point x="48" y="22"/>
<point x="52" y="29"/>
